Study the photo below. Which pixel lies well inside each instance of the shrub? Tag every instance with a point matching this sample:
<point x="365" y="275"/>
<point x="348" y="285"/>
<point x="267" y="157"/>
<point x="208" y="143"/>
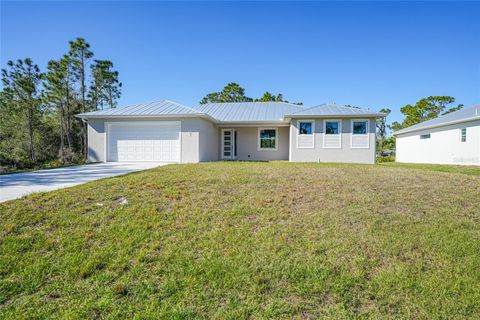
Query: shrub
<point x="381" y="159"/>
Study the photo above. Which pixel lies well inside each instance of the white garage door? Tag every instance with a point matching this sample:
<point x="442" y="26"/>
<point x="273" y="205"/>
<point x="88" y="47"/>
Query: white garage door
<point x="144" y="141"/>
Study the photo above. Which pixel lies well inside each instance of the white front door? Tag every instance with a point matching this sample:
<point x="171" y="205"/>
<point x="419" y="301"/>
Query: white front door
<point x="229" y="140"/>
<point x="143" y="141"/>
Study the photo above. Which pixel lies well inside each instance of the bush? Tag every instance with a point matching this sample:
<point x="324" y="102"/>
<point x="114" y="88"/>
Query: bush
<point x="381" y="159"/>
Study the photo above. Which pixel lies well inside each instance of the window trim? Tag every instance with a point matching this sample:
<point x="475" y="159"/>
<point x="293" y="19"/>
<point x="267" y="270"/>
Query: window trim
<point x="360" y="134"/>
<point x="461" y="135"/>
<point x="312" y="134"/>
<point x="425" y="136"/>
<point x="338" y="134"/>
<point x="258" y="140"/>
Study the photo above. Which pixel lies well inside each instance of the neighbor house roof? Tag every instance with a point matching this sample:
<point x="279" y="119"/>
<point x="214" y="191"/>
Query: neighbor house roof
<point x="234" y="112"/>
<point x="462" y="115"/>
<point x="334" y="110"/>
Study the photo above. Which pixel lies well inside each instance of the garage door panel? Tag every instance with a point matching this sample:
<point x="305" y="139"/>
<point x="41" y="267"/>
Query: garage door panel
<point x="142" y="141"/>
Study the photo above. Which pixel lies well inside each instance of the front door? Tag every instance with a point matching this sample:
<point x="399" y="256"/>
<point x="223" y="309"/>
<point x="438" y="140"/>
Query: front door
<point x="229" y="144"/>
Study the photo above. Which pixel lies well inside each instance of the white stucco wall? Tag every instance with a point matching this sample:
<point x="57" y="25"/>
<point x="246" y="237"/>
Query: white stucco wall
<point x="196" y="133"/>
<point x="443" y="147"/>
<point x="344" y="154"/>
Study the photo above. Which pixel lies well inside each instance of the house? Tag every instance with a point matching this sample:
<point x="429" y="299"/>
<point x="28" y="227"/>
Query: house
<point x="171" y="132"/>
<point x="450" y="139"/>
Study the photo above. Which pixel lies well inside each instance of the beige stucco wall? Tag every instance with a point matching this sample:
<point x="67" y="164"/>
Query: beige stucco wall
<point x="247" y="144"/>
<point x="96" y="140"/>
<point x="343" y="154"/>
<point x="209" y="141"/>
<point x="199" y="139"/>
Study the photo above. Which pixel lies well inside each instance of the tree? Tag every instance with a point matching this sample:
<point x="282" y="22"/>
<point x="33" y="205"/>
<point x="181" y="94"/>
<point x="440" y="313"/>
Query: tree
<point x="426" y="109"/>
<point x="37" y="122"/>
<point x="21" y="104"/>
<point x="232" y="92"/>
<point x="80" y="54"/>
<point x="453" y="109"/>
<point x="58" y="94"/>
<point x="105" y="88"/>
<point x="267" y="96"/>
<point x="381" y="125"/>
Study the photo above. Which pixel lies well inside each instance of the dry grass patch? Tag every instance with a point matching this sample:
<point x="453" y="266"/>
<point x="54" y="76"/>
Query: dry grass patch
<point x="247" y="240"/>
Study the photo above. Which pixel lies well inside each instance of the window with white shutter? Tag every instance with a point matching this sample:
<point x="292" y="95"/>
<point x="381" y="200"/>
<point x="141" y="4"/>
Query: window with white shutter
<point x="306" y="134"/>
<point x="360" y="139"/>
<point x="332" y="134"/>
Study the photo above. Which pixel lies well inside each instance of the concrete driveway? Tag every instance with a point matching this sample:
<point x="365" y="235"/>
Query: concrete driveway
<point x="16" y="185"/>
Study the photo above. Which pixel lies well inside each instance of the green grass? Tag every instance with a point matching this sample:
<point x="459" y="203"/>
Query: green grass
<point x="471" y="170"/>
<point x="240" y="240"/>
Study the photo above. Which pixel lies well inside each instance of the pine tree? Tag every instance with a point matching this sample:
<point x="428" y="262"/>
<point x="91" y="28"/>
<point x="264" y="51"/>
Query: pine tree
<point x="105" y="88"/>
<point x="57" y="94"/>
<point x="21" y="101"/>
<point x="80" y="55"/>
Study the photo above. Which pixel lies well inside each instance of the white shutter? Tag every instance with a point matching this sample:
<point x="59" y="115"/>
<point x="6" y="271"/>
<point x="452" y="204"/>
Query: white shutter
<point x="332" y="140"/>
<point x="305" y="141"/>
<point x="360" y="141"/>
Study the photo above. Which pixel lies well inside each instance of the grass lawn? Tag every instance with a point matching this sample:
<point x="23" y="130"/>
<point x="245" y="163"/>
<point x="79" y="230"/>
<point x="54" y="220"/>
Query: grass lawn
<point x="472" y="170"/>
<point x="240" y="240"/>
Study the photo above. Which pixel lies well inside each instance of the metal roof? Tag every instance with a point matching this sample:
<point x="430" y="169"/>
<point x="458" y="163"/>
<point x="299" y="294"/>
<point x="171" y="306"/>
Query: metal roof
<point x="233" y="112"/>
<point x="248" y="111"/>
<point x="334" y="110"/>
<point x="462" y="115"/>
<point x="158" y="108"/>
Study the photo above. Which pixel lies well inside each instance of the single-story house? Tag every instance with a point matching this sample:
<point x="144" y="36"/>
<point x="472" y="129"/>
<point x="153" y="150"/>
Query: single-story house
<point x="171" y="132"/>
<point x="453" y="138"/>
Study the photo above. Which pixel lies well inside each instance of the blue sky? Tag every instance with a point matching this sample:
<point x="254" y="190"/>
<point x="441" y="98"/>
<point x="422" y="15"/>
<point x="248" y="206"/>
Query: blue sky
<point x="368" y="54"/>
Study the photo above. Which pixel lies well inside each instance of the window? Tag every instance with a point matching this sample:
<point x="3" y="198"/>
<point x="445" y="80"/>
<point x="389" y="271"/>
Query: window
<point x="305" y="127"/>
<point x="425" y="136"/>
<point x="359" y="137"/>
<point x="359" y="127"/>
<point x="332" y="127"/>
<point x="267" y="139"/>
<point x="463" y="136"/>
<point x="332" y="134"/>
<point x="305" y="137"/>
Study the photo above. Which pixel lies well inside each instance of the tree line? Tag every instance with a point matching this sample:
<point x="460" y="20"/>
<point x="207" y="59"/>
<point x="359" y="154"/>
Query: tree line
<point x="38" y="123"/>
<point x="424" y="109"/>
<point x="233" y="92"/>
<point x="38" y="108"/>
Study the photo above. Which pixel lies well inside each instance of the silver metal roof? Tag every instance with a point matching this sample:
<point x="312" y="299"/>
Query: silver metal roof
<point x="233" y="112"/>
<point x="334" y="110"/>
<point x="462" y="115"/>
<point x="249" y="111"/>
<point x="157" y="108"/>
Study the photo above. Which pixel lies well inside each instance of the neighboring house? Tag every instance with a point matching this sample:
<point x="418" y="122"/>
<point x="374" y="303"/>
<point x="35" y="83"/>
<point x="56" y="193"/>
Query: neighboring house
<point x="170" y="132"/>
<point x="450" y="139"/>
